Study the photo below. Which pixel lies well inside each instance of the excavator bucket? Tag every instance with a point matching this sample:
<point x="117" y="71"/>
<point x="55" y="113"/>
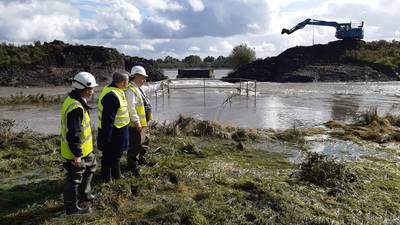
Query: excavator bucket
<point x="284" y="31"/>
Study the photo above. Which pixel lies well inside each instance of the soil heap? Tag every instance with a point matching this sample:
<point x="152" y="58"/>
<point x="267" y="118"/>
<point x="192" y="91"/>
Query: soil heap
<point x="60" y="61"/>
<point x="327" y="63"/>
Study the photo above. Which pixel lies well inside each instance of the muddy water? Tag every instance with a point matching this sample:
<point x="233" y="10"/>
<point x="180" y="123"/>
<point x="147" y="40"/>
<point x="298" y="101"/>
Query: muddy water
<point x="277" y="105"/>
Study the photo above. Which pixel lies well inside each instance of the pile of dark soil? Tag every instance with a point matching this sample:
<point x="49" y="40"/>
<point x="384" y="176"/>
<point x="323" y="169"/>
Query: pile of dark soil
<point x="61" y="61"/>
<point x="326" y="62"/>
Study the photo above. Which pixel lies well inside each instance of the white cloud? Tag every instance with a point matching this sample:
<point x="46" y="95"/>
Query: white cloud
<point x="194" y="49"/>
<point x="36" y="20"/>
<point x="163" y="5"/>
<point x="155" y="28"/>
<point x="265" y="47"/>
<point x="222" y="47"/>
<point x="197" y="5"/>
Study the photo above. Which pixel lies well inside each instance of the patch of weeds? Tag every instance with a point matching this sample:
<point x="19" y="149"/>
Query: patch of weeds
<point x="21" y="98"/>
<point x="191" y="148"/>
<point x="394" y="120"/>
<point x="322" y="171"/>
<point x="292" y="135"/>
<point x="240" y="135"/>
<point x="188" y="126"/>
<point x="334" y="124"/>
<point x="368" y="116"/>
<point x="20" y="151"/>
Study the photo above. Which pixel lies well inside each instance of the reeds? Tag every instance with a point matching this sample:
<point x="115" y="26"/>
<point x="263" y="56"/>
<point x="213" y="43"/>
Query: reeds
<point x="21" y="98"/>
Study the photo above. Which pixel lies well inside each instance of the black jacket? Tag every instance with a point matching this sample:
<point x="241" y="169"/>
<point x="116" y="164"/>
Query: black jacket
<point x="109" y="137"/>
<point x="74" y="125"/>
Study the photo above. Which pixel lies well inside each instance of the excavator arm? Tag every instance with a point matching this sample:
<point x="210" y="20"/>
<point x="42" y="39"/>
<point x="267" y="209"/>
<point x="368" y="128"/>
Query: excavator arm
<point x="309" y="22"/>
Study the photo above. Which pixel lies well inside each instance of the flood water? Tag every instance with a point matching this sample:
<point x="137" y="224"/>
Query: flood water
<point x="276" y="105"/>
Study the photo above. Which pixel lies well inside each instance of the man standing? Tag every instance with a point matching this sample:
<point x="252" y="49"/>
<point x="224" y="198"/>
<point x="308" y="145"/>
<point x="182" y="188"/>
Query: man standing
<point x="77" y="144"/>
<point x="140" y="114"/>
<point x="113" y="137"/>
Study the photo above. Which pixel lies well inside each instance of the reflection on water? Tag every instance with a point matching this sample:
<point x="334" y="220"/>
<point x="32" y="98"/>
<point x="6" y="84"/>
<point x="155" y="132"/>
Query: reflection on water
<point x="345" y="150"/>
<point x="276" y="106"/>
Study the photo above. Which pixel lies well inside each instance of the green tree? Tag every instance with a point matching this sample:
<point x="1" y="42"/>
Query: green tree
<point x="241" y="55"/>
<point x="192" y="59"/>
<point x="170" y="59"/>
<point x="209" y="59"/>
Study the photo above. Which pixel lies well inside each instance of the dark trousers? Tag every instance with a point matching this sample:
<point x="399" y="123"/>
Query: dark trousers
<point x="78" y="181"/>
<point x="110" y="164"/>
<point x="138" y="145"/>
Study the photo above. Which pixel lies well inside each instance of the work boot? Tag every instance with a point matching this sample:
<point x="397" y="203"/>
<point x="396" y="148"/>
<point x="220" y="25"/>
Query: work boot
<point x="87" y="198"/>
<point x="116" y="171"/>
<point x="85" y="188"/>
<point x="143" y="161"/>
<point x="106" y="173"/>
<point x="71" y="201"/>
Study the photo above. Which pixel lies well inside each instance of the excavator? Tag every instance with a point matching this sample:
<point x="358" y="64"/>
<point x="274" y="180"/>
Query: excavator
<point x="344" y="31"/>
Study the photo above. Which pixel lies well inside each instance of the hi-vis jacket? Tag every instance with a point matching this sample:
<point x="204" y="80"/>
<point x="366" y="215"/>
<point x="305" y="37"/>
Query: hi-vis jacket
<point x="122" y="117"/>
<point x="86" y="140"/>
<point x="139" y="106"/>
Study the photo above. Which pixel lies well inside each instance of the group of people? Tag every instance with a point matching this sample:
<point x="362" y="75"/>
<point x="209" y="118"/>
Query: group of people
<point x="123" y="114"/>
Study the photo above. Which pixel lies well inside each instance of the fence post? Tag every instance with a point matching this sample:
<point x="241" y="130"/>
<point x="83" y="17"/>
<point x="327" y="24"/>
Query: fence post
<point x="247" y="88"/>
<point x="204" y="87"/>
<point x="255" y="88"/>
<point x="240" y="86"/>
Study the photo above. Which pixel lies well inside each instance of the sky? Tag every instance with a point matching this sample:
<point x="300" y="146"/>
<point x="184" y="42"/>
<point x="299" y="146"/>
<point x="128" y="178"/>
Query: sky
<point x="158" y="28"/>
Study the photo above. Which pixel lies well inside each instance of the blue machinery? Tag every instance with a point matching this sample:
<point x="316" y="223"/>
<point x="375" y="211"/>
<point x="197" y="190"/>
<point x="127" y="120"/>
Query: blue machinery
<point x="343" y="30"/>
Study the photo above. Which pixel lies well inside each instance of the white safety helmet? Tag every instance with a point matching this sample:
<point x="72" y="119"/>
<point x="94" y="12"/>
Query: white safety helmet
<point x="84" y="80"/>
<point x="138" y="70"/>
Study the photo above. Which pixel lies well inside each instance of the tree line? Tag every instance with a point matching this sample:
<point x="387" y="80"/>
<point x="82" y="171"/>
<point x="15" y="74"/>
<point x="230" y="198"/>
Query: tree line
<point x="11" y="54"/>
<point x="240" y="55"/>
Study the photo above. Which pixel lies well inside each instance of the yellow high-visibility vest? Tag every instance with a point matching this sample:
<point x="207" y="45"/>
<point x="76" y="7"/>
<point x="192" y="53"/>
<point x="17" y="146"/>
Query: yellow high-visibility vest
<point x="86" y="134"/>
<point x="122" y="117"/>
<point x="139" y="107"/>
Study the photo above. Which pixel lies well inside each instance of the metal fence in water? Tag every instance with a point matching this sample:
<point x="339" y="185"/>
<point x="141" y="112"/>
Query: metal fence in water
<point x="241" y="84"/>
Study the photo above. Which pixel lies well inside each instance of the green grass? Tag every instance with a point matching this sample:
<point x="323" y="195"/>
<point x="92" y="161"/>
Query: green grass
<point x="378" y="52"/>
<point x="21" y="98"/>
<point x="203" y="179"/>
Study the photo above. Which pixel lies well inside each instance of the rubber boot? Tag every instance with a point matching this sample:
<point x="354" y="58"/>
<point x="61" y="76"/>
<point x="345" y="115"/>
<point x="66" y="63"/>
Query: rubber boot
<point x="116" y="171"/>
<point x="85" y="188"/>
<point x="71" y="201"/>
<point x="106" y="173"/>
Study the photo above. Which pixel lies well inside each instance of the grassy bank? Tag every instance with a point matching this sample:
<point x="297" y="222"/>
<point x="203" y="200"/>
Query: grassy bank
<point x="39" y="98"/>
<point x="378" y="52"/>
<point x="207" y="173"/>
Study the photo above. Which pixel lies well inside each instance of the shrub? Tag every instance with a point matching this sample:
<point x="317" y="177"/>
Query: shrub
<point x="241" y="55"/>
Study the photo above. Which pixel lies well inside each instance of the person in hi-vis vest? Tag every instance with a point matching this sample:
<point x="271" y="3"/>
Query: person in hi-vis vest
<point x="140" y="114"/>
<point x="113" y="134"/>
<point x="77" y="144"/>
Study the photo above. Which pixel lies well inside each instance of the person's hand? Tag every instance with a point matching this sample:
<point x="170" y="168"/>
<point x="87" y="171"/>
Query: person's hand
<point x="139" y="128"/>
<point x="77" y="161"/>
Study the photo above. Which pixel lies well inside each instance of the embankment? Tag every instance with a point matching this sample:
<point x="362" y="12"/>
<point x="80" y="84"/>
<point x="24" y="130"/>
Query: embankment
<point x="54" y="63"/>
<point x="338" y="61"/>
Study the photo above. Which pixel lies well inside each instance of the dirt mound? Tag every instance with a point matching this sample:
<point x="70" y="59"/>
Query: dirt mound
<point x="315" y="63"/>
<point x="60" y="61"/>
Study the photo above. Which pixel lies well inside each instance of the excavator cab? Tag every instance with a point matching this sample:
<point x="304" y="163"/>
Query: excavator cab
<point x="350" y="31"/>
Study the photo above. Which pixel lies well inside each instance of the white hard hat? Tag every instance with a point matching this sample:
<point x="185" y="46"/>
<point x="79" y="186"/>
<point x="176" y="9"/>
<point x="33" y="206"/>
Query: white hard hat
<point x="138" y="70"/>
<point x="84" y="80"/>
